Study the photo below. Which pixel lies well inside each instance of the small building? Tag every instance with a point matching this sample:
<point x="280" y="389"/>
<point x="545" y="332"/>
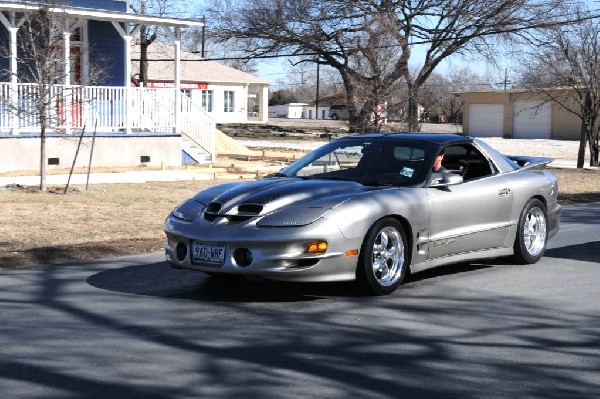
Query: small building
<point x="519" y="114"/>
<point x="291" y="110"/>
<point x="227" y="94"/>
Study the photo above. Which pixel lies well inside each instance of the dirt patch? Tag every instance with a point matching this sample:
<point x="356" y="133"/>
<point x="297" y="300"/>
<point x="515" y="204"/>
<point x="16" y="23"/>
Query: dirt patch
<point x="284" y="131"/>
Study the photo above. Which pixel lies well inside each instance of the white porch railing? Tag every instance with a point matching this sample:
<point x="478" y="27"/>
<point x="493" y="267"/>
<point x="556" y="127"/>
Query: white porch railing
<point x="108" y="109"/>
<point x="194" y="122"/>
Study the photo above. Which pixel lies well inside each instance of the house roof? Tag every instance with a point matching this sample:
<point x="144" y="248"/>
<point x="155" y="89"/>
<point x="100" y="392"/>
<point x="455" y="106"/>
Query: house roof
<point x="193" y="67"/>
<point x="93" y="14"/>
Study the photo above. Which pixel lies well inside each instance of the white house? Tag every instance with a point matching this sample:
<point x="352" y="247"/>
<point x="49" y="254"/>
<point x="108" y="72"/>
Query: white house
<point x="228" y="95"/>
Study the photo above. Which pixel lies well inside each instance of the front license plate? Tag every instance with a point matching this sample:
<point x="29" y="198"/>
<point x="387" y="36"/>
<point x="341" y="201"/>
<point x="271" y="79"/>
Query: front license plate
<point x="208" y="252"/>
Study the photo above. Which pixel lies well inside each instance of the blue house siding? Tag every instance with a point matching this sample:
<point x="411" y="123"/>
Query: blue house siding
<point x="4" y="61"/>
<point x="107" y="5"/>
<point x="108" y="48"/>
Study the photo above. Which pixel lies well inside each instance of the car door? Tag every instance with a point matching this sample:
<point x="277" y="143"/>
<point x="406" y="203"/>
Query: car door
<point x="473" y="215"/>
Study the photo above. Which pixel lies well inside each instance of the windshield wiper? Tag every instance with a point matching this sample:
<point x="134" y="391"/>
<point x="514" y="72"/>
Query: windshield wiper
<point x="348" y="178"/>
<point x="276" y="174"/>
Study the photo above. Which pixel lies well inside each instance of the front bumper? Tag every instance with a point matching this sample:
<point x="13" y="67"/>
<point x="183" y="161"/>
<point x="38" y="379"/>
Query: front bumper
<point x="277" y="252"/>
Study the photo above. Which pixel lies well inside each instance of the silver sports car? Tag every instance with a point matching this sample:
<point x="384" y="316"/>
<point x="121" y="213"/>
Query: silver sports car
<point x="370" y="208"/>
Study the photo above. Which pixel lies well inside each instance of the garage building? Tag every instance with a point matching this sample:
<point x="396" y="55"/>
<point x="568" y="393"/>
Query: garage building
<point x="519" y="114"/>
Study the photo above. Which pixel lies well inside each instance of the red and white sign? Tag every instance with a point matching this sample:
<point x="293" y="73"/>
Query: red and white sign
<point x="184" y="86"/>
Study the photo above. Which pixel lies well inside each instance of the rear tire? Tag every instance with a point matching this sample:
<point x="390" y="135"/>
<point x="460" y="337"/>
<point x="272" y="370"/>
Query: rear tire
<point x="532" y="233"/>
<point x="383" y="261"/>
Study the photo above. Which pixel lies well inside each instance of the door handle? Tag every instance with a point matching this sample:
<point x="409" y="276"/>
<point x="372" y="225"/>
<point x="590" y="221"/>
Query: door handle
<point x="504" y="192"/>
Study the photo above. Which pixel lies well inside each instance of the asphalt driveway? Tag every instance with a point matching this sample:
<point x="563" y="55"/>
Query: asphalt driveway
<point x="133" y="327"/>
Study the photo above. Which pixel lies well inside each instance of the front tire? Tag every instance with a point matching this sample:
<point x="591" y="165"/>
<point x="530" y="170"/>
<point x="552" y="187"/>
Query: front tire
<point x="532" y="233"/>
<point x="383" y="260"/>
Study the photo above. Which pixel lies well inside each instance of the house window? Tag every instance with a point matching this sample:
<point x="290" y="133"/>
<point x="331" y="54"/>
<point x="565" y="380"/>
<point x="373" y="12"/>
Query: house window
<point x="207" y="100"/>
<point x="229" y="105"/>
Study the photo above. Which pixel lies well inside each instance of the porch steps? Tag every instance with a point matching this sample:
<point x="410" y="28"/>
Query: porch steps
<point x="191" y="153"/>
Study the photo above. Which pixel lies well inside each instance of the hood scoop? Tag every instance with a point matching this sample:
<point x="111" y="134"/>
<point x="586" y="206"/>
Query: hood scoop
<point x="238" y="214"/>
<point x="212" y="211"/>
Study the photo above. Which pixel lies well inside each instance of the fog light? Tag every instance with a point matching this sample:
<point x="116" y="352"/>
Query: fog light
<point x="180" y="252"/>
<point x="242" y="257"/>
<point x="317" y="248"/>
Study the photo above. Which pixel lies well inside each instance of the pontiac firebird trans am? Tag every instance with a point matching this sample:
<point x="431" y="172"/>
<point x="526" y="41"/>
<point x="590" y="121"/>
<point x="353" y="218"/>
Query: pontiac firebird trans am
<point x="370" y="208"/>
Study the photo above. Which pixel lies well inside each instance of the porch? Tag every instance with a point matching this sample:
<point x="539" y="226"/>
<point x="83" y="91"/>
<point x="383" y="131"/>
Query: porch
<point x="118" y="111"/>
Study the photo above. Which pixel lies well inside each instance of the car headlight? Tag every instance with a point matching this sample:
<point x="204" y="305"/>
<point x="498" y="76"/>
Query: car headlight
<point x="188" y="210"/>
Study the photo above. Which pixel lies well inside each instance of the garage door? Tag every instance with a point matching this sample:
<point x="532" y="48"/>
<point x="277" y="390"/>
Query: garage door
<point x="531" y="120"/>
<point x="486" y="120"/>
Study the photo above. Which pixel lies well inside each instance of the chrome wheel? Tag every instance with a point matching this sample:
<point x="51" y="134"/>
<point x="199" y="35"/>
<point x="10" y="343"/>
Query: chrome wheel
<point x="383" y="261"/>
<point x="387" y="258"/>
<point x="534" y="231"/>
<point x="530" y="243"/>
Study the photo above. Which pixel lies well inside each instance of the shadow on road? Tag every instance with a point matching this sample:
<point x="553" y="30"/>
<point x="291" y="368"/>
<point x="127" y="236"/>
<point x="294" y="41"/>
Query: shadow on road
<point x="588" y="252"/>
<point x="159" y="279"/>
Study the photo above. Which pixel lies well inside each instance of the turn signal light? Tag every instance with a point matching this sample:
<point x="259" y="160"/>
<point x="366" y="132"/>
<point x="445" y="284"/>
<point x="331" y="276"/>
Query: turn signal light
<point x="318" y="247"/>
<point x="352" y="252"/>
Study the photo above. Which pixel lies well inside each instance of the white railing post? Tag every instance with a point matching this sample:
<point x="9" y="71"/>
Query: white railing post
<point x="14" y="88"/>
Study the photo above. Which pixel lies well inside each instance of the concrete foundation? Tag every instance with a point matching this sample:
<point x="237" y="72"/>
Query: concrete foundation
<point x="22" y="152"/>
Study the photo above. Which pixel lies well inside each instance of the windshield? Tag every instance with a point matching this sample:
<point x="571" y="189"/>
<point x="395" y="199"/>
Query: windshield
<point x="369" y="161"/>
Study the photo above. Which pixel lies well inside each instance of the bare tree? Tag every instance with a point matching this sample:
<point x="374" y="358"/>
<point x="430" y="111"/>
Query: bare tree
<point x="148" y="33"/>
<point x="372" y="43"/>
<point x="230" y="52"/>
<point x="564" y="65"/>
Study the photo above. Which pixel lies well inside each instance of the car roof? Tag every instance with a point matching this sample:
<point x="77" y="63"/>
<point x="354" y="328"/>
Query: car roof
<point x="438" y="138"/>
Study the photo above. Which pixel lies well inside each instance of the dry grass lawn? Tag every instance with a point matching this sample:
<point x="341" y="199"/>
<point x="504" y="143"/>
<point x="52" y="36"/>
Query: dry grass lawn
<point x="120" y="219"/>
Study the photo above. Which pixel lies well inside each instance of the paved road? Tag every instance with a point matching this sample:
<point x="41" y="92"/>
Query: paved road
<point x="132" y="327"/>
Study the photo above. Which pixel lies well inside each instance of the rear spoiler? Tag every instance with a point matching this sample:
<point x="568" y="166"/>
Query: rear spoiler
<point x="530" y="163"/>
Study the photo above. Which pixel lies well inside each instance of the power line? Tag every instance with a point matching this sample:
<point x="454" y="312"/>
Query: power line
<point x="596" y="15"/>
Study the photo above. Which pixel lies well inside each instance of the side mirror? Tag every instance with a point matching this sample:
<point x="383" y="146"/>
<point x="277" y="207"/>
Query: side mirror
<point x="445" y="179"/>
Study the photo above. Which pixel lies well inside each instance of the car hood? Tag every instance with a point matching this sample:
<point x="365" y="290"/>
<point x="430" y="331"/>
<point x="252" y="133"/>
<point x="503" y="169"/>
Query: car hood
<point x="277" y="201"/>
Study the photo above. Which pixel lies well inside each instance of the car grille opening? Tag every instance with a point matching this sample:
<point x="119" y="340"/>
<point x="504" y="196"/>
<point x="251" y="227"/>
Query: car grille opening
<point x="212" y="211"/>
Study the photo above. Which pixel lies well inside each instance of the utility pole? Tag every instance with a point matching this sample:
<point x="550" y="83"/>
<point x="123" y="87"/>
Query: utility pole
<point x="203" y="36"/>
<point x="317" y="97"/>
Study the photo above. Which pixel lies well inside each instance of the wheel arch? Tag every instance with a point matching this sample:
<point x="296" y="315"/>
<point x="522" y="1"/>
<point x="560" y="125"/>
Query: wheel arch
<point x="407" y="229"/>
<point x="542" y="199"/>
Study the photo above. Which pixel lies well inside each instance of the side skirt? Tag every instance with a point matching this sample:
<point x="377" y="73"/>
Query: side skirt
<point x="467" y="256"/>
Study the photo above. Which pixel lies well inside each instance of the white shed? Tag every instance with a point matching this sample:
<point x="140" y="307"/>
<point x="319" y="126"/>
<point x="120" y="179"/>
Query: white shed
<point x="291" y="110"/>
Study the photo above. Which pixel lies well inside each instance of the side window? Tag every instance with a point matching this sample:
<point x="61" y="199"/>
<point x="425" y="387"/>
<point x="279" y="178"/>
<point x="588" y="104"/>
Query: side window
<point x="229" y="105"/>
<point x="207" y="100"/>
<point x="467" y="160"/>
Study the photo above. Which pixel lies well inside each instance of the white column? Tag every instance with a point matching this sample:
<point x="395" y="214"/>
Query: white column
<point x="177" y="79"/>
<point x="127" y="83"/>
<point x="67" y="96"/>
<point x="264" y="108"/>
<point x="14" y="81"/>
<point x="127" y="35"/>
